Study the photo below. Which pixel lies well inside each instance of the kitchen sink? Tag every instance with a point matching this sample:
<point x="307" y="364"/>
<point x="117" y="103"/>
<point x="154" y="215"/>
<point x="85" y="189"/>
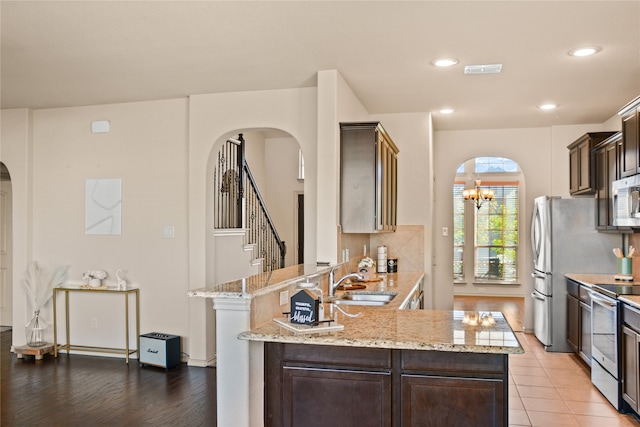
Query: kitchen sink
<point x="366" y="298"/>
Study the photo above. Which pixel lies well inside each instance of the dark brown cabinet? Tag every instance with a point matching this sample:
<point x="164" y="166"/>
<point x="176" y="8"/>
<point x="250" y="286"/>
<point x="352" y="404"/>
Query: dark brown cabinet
<point x="607" y="158"/>
<point x="631" y="357"/>
<point x="353" y="398"/>
<point x="630" y="159"/>
<point x="573" y="322"/>
<point x="314" y="385"/>
<point x="579" y="320"/>
<point x="582" y="178"/>
<point x="368" y="178"/>
<point x="427" y="401"/>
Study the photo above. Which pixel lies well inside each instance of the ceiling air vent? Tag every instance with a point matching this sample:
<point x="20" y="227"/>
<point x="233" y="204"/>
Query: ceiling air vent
<point x="483" y="69"/>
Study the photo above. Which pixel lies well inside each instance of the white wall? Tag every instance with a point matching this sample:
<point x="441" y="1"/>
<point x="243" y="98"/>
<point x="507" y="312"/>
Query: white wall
<point x="16" y="147"/>
<point x="146" y="148"/>
<point x="336" y="103"/>
<point x="281" y="189"/>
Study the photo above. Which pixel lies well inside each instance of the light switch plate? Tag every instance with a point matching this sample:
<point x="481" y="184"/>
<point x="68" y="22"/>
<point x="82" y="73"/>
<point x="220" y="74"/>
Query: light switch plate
<point x="169" y="231"/>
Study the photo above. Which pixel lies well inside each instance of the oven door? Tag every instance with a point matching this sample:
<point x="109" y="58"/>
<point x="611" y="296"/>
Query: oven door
<point x="604" y="332"/>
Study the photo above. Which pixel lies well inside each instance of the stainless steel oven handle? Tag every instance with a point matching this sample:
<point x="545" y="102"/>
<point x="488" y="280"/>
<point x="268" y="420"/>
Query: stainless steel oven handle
<point x="534" y="295"/>
<point x="598" y="300"/>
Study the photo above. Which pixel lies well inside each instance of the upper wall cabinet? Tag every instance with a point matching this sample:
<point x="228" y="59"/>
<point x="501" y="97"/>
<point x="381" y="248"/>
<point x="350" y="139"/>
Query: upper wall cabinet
<point x="368" y="178"/>
<point x="607" y="156"/>
<point x="630" y="158"/>
<point x="582" y="179"/>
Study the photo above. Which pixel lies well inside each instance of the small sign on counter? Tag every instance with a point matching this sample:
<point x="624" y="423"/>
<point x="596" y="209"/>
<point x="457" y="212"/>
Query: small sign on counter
<point x="305" y="306"/>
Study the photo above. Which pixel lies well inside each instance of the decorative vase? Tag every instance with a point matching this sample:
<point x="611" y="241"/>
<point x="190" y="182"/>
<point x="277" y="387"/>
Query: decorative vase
<point x="36" y="330"/>
<point x="95" y="283"/>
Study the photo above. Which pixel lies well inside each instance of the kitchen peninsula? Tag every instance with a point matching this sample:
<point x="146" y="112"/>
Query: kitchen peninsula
<point x="388" y="364"/>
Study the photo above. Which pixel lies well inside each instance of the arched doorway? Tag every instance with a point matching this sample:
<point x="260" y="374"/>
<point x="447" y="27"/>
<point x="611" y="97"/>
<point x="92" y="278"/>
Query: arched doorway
<point x="487" y="254"/>
<point x="6" y="226"/>
<point x="276" y="164"/>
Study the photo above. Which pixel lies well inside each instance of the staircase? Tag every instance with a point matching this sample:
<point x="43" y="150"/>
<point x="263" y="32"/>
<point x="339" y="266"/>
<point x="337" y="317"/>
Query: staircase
<point x="241" y="219"/>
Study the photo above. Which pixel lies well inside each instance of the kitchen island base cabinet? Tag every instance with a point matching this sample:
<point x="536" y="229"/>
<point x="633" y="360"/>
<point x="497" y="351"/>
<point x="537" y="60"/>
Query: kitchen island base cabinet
<point x="314" y="385"/>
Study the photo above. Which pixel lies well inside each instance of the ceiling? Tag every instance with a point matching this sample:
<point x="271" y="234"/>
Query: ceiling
<point x="74" y="53"/>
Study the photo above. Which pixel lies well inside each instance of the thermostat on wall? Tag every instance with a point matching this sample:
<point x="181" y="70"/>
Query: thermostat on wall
<point x="100" y="126"/>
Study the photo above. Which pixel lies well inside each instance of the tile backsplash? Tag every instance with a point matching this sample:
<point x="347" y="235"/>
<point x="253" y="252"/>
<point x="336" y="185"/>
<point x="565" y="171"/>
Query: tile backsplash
<point x="406" y="244"/>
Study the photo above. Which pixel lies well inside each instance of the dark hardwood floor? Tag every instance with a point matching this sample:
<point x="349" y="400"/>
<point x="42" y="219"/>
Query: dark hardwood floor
<point x="75" y="390"/>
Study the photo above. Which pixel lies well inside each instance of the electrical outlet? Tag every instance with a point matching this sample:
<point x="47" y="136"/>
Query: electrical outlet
<point x="284" y="297"/>
<point x="445" y="231"/>
<point x="94" y="322"/>
<point x="481" y="289"/>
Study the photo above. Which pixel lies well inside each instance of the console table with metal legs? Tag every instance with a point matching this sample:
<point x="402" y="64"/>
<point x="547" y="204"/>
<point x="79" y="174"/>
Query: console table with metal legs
<point x="110" y="290"/>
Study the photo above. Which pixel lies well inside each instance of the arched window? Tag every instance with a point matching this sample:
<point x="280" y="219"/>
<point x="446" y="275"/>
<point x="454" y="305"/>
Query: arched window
<point x="485" y="245"/>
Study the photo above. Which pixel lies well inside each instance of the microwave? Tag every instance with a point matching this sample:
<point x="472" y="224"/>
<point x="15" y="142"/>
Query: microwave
<point x="626" y="201"/>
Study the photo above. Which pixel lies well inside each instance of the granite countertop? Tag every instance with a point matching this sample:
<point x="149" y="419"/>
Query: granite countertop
<point x="378" y="327"/>
<point x="607" y="279"/>
<point x="598" y="279"/>
<point x="390" y="327"/>
<point x="260" y="284"/>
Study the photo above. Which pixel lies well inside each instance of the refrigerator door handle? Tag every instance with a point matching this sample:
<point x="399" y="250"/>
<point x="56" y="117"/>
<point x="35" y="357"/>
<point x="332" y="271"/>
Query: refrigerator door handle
<point x="536" y="296"/>
<point x="537" y="275"/>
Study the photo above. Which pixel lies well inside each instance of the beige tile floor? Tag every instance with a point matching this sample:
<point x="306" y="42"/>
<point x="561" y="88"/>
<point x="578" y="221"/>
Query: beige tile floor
<point x="554" y="389"/>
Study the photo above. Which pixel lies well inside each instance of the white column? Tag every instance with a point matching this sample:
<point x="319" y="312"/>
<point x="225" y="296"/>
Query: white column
<point x="234" y="406"/>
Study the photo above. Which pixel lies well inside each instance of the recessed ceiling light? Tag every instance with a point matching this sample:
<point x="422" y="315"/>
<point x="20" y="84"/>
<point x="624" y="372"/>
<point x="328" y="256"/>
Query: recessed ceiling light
<point x="547" y="106"/>
<point x="585" y="51"/>
<point x="447" y="111"/>
<point x="444" y="62"/>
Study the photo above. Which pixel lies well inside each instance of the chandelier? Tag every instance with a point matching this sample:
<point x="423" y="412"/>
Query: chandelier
<point x="477" y="196"/>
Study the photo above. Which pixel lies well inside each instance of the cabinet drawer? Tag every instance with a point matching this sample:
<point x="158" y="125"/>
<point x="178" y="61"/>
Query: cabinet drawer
<point x="330" y="356"/>
<point x="631" y="317"/>
<point x="443" y="363"/>
<point x="585" y="295"/>
<point x="573" y="288"/>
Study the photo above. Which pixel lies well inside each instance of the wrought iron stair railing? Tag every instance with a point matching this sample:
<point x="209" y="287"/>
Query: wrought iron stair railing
<point x="238" y="204"/>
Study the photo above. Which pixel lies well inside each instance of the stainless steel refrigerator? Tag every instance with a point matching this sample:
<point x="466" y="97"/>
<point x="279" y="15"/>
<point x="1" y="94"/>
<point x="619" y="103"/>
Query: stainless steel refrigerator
<point x="564" y="240"/>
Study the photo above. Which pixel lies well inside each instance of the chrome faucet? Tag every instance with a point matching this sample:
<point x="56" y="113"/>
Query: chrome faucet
<point x="334" y="285"/>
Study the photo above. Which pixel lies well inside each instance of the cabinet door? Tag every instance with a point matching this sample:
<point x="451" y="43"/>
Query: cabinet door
<point x="630" y="370"/>
<point x="573" y="322"/>
<point x="602" y="202"/>
<point x="584" y="166"/>
<point x="482" y="400"/>
<point x="629" y="144"/>
<point x="613" y="154"/>
<point x="326" y="397"/>
<point x="574" y="171"/>
<point x="584" y="344"/>
<point x="381" y="173"/>
<point x="394" y="190"/>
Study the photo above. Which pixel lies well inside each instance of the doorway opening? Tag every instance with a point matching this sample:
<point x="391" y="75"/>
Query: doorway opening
<point x="6" y="227"/>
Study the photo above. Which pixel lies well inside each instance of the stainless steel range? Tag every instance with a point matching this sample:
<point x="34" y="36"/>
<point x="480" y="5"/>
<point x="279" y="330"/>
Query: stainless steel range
<point x="606" y="363"/>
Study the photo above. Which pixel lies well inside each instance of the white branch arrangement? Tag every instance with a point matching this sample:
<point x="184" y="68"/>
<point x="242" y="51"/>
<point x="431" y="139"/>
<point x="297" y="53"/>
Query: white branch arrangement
<point x="39" y="283"/>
